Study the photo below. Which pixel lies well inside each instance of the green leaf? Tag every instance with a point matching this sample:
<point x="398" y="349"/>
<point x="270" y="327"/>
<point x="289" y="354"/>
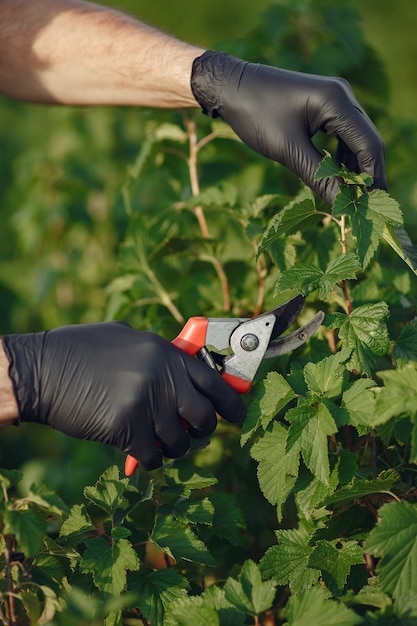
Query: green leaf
<point x="306" y="278"/>
<point x="185" y="478"/>
<point x="310" y="426"/>
<point x="328" y="376"/>
<point x="108" y="564"/>
<point x="119" y="532"/>
<point x="268" y="398"/>
<point x="27" y="526"/>
<point x="369" y="214"/>
<point x="394" y="541"/>
<point x="199" y="615"/>
<point x="360" y="403"/>
<point x="287" y="563"/>
<point x="277" y="470"/>
<point x="108" y="491"/>
<point x="364" y="333"/>
<point x="157" y="591"/>
<point x="77" y="526"/>
<point x="47" y="500"/>
<point x="405" y="346"/>
<point x="362" y="488"/>
<point x="213" y="598"/>
<point x="228" y="520"/>
<point x="310" y="492"/>
<point x="249" y="594"/>
<point x="397" y="397"/>
<point x="330" y="168"/>
<point x="313" y="607"/>
<point x="191" y="511"/>
<point x="289" y="219"/>
<point x="8" y="478"/>
<point x="335" y="563"/>
<point x="303" y="277"/>
<point x="400" y="242"/>
<point x="179" y="541"/>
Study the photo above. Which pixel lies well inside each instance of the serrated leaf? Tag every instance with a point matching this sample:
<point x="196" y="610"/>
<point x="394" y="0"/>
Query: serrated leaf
<point x="360" y="402"/>
<point x="394" y="541"/>
<point x="303" y="277"/>
<point x="179" y="541"/>
<point x="200" y="615"/>
<point x="250" y="594"/>
<point x="313" y="607"/>
<point x="157" y="591"/>
<point x="289" y="219"/>
<point x="328" y="376"/>
<point x="306" y="278"/>
<point x="108" y="564"/>
<point x="217" y="196"/>
<point x="46" y="499"/>
<point x="405" y="347"/>
<point x="119" y="532"/>
<point x="367" y="225"/>
<point x="330" y="168"/>
<point x="228" y="520"/>
<point x="287" y="562"/>
<point x="77" y="526"/>
<point x="335" y="563"/>
<point x="343" y="267"/>
<point x="269" y="397"/>
<point x="365" y="334"/>
<point x="8" y="478"/>
<point x="213" y="597"/>
<point x="353" y="522"/>
<point x="310" y="427"/>
<point x="401" y="243"/>
<point x="398" y="394"/>
<point x="277" y="471"/>
<point x="108" y="491"/>
<point x="362" y="488"/>
<point x="187" y="477"/>
<point x="381" y="203"/>
<point x="310" y="492"/>
<point x="372" y="595"/>
<point x="191" y="511"/>
<point x="28" y="527"/>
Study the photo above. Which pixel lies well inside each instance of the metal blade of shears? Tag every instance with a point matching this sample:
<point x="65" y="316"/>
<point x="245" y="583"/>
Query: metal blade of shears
<point x="285" y="315"/>
<point x="294" y="340"/>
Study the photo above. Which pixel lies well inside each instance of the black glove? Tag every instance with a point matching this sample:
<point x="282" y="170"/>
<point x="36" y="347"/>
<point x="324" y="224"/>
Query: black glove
<point x="276" y="112"/>
<point x="108" y="382"/>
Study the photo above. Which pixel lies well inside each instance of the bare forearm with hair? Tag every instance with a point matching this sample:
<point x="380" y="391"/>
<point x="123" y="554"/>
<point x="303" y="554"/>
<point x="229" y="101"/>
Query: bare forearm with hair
<point x="8" y="406"/>
<point x="79" y="53"/>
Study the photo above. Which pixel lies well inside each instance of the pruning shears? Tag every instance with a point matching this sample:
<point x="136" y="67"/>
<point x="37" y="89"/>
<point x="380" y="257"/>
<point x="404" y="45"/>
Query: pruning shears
<point x="236" y="347"/>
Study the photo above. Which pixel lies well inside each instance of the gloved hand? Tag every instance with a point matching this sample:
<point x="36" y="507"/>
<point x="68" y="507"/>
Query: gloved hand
<point x="108" y="382"/>
<point x="276" y="112"/>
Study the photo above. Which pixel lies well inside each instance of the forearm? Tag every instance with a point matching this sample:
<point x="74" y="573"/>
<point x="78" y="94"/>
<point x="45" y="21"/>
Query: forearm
<point x="8" y="406"/>
<point x="79" y="53"/>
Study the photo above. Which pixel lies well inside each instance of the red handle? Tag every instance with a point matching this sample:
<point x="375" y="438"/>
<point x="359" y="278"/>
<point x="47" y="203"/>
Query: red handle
<point x="190" y="340"/>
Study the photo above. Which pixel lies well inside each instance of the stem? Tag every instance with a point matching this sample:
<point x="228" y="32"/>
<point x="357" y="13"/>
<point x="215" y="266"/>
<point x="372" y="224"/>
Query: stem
<point x="343" y="241"/>
<point x="261" y="270"/>
<point x="194" y="147"/>
<point x="10" y="587"/>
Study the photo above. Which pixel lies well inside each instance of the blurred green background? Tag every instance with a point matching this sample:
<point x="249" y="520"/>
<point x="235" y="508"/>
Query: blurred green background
<point x="62" y="170"/>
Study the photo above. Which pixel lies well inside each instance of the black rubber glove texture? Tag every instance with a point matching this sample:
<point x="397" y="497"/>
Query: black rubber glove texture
<point x="110" y="383"/>
<point x="276" y="112"/>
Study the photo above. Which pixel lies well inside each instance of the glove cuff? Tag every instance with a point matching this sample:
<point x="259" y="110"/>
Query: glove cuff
<point x="23" y="353"/>
<point x="210" y="73"/>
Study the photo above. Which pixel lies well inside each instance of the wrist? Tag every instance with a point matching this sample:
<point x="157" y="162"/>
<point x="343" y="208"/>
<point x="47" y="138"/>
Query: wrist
<point x="9" y="411"/>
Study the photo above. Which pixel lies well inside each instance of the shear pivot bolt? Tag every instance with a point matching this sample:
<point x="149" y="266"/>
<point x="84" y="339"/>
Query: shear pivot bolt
<point x="249" y="342"/>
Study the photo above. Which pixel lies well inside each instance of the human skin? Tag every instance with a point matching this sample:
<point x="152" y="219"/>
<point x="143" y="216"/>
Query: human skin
<point x="79" y="53"/>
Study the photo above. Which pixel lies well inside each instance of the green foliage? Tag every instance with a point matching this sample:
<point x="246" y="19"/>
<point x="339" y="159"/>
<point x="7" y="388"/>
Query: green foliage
<point x="307" y="514"/>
